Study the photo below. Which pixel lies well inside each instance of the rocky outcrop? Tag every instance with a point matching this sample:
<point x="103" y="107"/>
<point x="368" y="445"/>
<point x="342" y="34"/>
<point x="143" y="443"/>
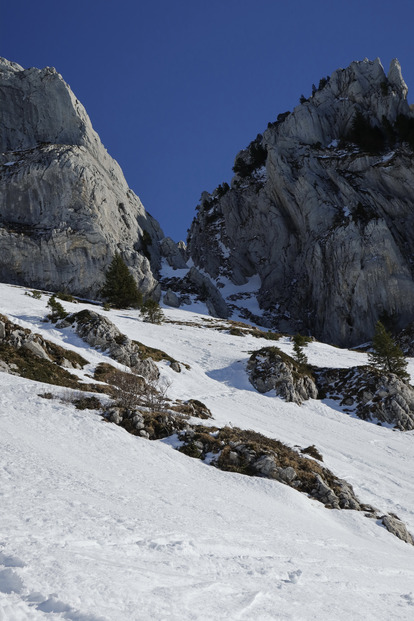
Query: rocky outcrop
<point x="270" y="369"/>
<point x="102" y="334"/>
<point x="174" y="253"/>
<point x="250" y="453"/>
<point x="370" y="395"/>
<point x="65" y="207"/>
<point x="18" y="338"/>
<point x="320" y="215"/>
<point x="395" y="526"/>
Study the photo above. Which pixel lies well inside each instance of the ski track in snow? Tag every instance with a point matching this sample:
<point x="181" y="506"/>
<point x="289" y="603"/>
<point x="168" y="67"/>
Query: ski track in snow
<point x="99" y="525"/>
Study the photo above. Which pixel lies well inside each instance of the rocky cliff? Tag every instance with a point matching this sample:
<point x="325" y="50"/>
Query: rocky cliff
<point x="320" y="210"/>
<point x="65" y="207"/>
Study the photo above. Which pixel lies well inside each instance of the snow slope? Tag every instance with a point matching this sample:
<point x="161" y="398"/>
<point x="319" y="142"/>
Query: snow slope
<point x="96" y="524"/>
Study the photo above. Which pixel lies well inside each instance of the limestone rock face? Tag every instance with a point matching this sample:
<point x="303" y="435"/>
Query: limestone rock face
<point x="269" y="369"/>
<point x="65" y="207"/>
<point x="323" y="224"/>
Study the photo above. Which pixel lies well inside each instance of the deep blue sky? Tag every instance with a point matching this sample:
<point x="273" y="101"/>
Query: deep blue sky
<point x="176" y="87"/>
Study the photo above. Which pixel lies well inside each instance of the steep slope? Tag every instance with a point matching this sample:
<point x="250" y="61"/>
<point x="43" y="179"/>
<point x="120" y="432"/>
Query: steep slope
<point x="65" y="207"/>
<point x="320" y="209"/>
<point x="99" y="525"/>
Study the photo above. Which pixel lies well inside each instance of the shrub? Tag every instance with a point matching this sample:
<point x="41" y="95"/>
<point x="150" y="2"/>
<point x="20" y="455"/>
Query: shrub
<point x="254" y="158"/>
<point x="120" y="288"/>
<point x="365" y="136"/>
<point x="66" y="297"/>
<point x="405" y="129"/>
<point x="34" y="294"/>
<point x="152" y="312"/>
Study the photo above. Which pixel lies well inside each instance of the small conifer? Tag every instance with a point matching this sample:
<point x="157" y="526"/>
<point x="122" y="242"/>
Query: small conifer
<point x="386" y="355"/>
<point x="299" y="342"/>
<point x="57" y="310"/>
<point x="152" y="312"/>
<point x="120" y="288"/>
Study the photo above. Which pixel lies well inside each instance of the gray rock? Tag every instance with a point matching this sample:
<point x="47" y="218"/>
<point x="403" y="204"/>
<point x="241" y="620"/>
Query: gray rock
<point x="65" y="207"/>
<point x="174" y="253"/>
<point x="287" y="475"/>
<point x="397" y="528"/>
<point x="266" y="466"/>
<point x="36" y="349"/>
<point x="100" y="332"/>
<point x="269" y="370"/>
<point x="171" y="299"/>
<point x="213" y="298"/>
<point x="324" y="494"/>
<point x="326" y="229"/>
<point x="175" y="366"/>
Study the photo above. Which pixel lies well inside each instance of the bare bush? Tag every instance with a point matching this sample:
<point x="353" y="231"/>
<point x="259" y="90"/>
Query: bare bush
<point x="133" y="391"/>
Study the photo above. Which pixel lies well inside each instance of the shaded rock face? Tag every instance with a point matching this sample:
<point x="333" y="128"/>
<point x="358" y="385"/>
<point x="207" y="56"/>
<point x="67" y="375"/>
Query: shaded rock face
<point x="101" y="333"/>
<point x="269" y="369"/>
<point x="324" y="223"/>
<point x="65" y="207"/>
<point x="370" y="395"/>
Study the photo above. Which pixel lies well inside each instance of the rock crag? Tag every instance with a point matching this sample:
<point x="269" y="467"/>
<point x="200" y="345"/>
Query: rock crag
<point x="65" y="207"/>
<point x="320" y="211"/>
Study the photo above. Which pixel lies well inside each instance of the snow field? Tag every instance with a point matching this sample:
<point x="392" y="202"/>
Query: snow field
<point x="96" y="524"/>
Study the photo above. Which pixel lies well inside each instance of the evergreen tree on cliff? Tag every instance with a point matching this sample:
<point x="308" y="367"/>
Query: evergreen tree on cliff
<point x="120" y="288"/>
<point x="386" y="355"/>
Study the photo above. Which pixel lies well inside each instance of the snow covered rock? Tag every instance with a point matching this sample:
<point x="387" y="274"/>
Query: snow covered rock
<point x="65" y="207"/>
<point x="397" y="528"/>
<point x="370" y="395"/>
<point x="101" y="333"/>
<point x="325" y="223"/>
<point x="271" y="369"/>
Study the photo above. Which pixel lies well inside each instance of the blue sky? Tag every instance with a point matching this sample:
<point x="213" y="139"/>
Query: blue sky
<point x="175" y="88"/>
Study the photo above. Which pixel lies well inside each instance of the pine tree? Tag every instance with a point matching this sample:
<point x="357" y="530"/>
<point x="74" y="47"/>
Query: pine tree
<point x="299" y="342"/>
<point x="386" y="355"/>
<point x="120" y="288"/>
<point x="57" y="310"/>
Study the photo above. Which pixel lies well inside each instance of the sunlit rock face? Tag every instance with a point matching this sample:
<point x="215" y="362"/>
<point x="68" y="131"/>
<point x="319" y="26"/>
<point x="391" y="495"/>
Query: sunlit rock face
<point x="65" y="207"/>
<point x="323" y="215"/>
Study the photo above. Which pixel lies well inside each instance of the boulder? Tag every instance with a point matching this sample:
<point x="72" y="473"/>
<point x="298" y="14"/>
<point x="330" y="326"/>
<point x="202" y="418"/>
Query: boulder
<point x="397" y="528"/>
<point x="270" y="369"/>
<point x="171" y="299"/>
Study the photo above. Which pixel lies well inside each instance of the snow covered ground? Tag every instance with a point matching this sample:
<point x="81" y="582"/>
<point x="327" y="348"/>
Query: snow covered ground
<point x="97" y="524"/>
